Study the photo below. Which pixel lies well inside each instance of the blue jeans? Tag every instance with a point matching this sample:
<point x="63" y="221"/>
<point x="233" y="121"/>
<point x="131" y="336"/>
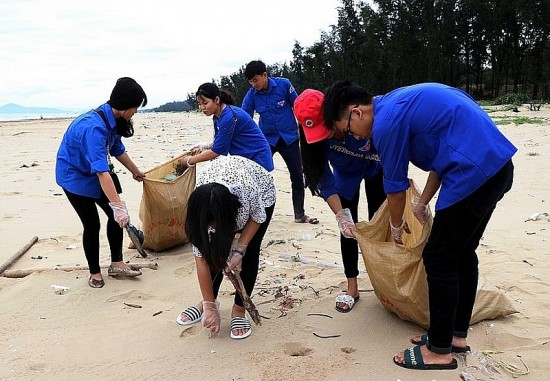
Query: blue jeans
<point x="451" y="261"/>
<point x="291" y="155"/>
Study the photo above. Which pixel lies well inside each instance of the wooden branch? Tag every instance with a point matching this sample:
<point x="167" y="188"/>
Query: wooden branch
<point x="24" y="272"/>
<point x="17" y="255"/>
<point x="235" y="278"/>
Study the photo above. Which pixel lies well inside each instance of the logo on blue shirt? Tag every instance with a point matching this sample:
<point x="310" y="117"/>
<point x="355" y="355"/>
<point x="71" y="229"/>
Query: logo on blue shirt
<point x="366" y="147"/>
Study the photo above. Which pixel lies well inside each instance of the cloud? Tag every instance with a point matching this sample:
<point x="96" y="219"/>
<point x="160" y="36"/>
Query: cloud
<point x="69" y="53"/>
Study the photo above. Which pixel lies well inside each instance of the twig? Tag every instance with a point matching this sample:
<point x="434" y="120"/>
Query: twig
<point x="24" y="272"/>
<point x="318" y="314"/>
<point x="325" y="337"/>
<point x="17" y="255"/>
<point x="316" y="292"/>
<point x="235" y="278"/>
<point x="132" y="305"/>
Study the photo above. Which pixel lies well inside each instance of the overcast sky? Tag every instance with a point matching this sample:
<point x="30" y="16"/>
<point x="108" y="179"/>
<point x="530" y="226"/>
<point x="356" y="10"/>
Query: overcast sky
<point x="69" y="53"/>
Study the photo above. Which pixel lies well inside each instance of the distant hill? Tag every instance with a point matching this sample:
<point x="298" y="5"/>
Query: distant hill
<point x="12" y="108"/>
<point x="172" y="106"/>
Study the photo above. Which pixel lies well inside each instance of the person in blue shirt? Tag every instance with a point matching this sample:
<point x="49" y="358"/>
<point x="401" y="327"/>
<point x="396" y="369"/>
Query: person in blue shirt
<point x="443" y="131"/>
<point x="235" y="132"/>
<point x="84" y="170"/>
<point x="273" y="98"/>
<point x="334" y="167"/>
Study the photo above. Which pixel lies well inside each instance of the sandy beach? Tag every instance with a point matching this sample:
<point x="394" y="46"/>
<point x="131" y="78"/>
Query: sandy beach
<point x="127" y="330"/>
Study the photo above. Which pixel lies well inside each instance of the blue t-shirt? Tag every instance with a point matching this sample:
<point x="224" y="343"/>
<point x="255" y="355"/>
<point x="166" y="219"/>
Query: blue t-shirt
<point x="275" y="108"/>
<point x="437" y="128"/>
<point x="83" y="152"/>
<point x="352" y="161"/>
<point x="236" y="133"/>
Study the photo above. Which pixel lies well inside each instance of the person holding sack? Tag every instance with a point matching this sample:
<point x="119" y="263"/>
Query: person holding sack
<point x="443" y="131"/>
<point x="85" y="172"/>
<point x="235" y="132"/>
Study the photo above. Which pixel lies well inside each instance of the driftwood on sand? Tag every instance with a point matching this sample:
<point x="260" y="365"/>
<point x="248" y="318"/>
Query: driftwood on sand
<point x="17" y="255"/>
<point x="235" y="278"/>
<point x="24" y="272"/>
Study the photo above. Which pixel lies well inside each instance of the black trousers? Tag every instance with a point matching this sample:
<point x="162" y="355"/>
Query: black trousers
<point x="291" y="155"/>
<point x="374" y="190"/>
<point x="251" y="261"/>
<point x="86" y="209"/>
<point x="451" y="261"/>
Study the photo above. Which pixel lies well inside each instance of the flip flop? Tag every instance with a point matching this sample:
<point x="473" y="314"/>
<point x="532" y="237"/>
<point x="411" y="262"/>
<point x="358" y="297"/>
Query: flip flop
<point x="307" y="219"/>
<point x="348" y="300"/>
<point x="96" y="283"/>
<point x="414" y="360"/>
<point x="240" y="323"/>
<point x="424" y="339"/>
<point x="193" y="315"/>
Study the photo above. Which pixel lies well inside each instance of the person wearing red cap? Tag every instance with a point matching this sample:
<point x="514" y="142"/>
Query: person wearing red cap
<point x="83" y="169"/>
<point x="352" y="161"/>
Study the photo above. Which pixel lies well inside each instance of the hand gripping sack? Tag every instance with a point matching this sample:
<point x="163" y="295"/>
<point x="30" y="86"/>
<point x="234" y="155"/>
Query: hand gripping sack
<point x="163" y="208"/>
<point x="397" y="272"/>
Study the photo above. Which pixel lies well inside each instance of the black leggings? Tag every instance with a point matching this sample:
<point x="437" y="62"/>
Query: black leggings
<point x="86" y="209"/>
<point x="374" y="189"/>
<point x="251" y="262"/>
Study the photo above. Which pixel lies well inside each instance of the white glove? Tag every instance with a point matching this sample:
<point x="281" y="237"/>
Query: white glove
<point x="211" y="316"/>
<point x="397" y="232"/>
<point x="345" y="223"/>
<point x="120" y="212"/>
<point x="202" y="146"/>
<point x="420" y="211"/>
<point x="236" y="254"/>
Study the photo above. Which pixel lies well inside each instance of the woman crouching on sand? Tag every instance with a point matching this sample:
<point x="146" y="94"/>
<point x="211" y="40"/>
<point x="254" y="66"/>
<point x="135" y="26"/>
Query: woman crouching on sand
<point x="233" y="194"/>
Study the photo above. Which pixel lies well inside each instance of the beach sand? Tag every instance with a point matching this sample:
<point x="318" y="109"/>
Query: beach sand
<point x="127" y="329"/>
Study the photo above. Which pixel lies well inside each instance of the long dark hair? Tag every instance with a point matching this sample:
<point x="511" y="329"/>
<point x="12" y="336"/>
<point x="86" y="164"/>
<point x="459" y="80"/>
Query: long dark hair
<point x="211" y="222"/>
<point x="313" y="162"/>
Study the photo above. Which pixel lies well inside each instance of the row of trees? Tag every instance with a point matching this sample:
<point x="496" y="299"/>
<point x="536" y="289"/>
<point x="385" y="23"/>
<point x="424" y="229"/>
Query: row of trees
<point x="487" y="47"/>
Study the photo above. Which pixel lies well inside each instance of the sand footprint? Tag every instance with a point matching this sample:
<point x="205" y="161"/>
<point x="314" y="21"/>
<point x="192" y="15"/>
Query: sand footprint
<point x="294" y="348"/>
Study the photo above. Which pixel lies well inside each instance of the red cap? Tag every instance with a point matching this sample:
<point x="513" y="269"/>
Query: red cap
<point x="308" y="109"/>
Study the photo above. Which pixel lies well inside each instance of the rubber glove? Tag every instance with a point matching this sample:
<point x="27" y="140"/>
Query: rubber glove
<point x="420" y="211"/>
<point x="211" y="316"/>
<point x="345" y="223"/>
<point x="236" y="254"/>
<point x="202" y="146"/>
<point x="397" y="232"/>
<point x="120" y="212"/>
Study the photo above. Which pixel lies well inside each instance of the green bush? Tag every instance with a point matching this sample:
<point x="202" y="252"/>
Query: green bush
<point x="513" y="99"/>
